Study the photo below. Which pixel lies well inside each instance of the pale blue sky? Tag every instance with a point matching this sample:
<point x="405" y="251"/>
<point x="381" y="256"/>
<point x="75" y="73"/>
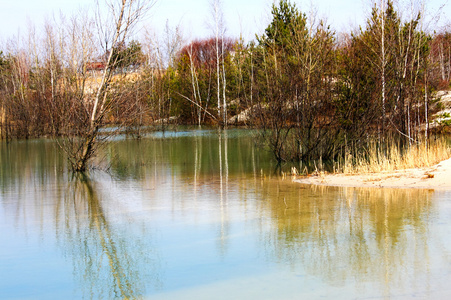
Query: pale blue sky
<point x="246" y="16"/>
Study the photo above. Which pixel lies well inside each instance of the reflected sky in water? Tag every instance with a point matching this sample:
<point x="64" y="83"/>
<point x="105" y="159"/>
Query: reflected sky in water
<point x="201" y="215"/>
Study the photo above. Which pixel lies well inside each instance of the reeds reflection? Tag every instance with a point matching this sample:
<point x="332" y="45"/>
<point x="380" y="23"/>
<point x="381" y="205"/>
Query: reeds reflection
<point x="205" y="215"/>
<point x="350" y="234"/>
<point x="366" y="236"/>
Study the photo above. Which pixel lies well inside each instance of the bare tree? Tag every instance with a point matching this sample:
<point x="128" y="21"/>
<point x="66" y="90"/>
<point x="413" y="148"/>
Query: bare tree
<point x="123" y="16"/>
<point x="161" y="52"/>
<point x="219" y="31"/>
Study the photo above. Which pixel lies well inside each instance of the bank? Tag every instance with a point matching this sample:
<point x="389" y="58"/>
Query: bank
<point x="437" y="177"/>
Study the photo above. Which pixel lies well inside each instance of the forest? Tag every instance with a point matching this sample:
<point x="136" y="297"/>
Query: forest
<point x="313" y="93"/>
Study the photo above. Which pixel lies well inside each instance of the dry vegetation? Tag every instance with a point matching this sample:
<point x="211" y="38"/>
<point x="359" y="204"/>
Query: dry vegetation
<point x="364" y="99"/>
<point x="375" y="160"/>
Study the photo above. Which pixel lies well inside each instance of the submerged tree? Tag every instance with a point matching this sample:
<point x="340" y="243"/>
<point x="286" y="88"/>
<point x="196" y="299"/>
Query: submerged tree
<point x="125" y="15"/>
<point x="294" y="85"/>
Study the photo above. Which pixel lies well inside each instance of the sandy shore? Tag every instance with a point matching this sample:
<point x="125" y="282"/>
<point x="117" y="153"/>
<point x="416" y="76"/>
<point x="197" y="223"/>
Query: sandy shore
<point x="435" y="177"/>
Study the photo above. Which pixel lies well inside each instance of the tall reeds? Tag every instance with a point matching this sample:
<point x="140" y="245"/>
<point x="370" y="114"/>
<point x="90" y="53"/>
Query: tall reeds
<point x="392" y="155"/>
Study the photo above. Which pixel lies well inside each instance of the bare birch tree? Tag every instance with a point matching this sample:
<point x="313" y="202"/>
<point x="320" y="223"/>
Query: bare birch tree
<point x="122" y="17"/>
<point x="161" y="53"/>
<point x="219" y="31"/>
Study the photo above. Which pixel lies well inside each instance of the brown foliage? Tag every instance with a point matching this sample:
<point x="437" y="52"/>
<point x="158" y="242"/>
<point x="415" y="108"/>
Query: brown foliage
<point x="202" y="53"/>
<point x="440" y="60"/>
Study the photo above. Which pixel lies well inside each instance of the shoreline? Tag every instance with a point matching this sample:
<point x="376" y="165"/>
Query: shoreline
<point x="437" y="177"/>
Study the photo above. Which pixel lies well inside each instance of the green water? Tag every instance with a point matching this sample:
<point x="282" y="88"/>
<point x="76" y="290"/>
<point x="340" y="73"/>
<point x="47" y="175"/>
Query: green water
<point x="198" y="215"/>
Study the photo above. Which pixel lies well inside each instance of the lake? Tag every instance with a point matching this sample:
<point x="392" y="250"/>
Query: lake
<point x="202" y="214"/>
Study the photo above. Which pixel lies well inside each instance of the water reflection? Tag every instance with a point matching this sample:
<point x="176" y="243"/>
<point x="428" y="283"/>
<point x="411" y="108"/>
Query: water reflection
<point x="39" y="198"/>
<point x="204" y="215"/>
<point x="377" y="236"/>
<point x="199" y="156"/>
<point x="109" y="261"/>
<point x="365" y="236"/>
<point x="34" y="162"/>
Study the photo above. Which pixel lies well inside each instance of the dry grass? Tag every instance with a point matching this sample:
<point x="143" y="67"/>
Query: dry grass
<point x="375" y="160"/>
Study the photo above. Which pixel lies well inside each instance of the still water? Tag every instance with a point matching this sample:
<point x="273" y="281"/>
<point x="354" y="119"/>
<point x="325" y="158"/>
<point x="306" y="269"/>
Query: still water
<point x="201" y="215"/>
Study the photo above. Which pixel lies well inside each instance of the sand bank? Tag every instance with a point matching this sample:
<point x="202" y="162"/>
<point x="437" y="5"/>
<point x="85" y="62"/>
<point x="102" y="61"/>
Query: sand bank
<point x="435" y="177"/>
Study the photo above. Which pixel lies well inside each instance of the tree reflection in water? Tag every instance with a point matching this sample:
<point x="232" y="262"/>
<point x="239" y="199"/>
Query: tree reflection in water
<point x="108" y="260"/>
<point x="341" y="234"/>
<point x="344" y="236"/>
<point x="201" y="212"/>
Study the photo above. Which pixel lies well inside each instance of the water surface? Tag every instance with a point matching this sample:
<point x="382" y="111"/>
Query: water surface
<point x="202" y="215"/>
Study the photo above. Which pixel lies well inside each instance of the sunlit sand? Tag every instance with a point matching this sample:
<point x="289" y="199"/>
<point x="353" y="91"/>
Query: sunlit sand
<point x="435" y="177"/>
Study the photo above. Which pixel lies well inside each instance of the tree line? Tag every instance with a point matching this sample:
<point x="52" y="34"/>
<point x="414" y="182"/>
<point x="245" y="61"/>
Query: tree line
<point x="315" y="94"/>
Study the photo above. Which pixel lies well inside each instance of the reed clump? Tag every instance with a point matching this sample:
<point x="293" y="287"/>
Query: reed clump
<point x="392" y="156"/>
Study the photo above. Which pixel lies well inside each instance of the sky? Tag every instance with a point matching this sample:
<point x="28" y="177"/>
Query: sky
<point x="246" y="17"/>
